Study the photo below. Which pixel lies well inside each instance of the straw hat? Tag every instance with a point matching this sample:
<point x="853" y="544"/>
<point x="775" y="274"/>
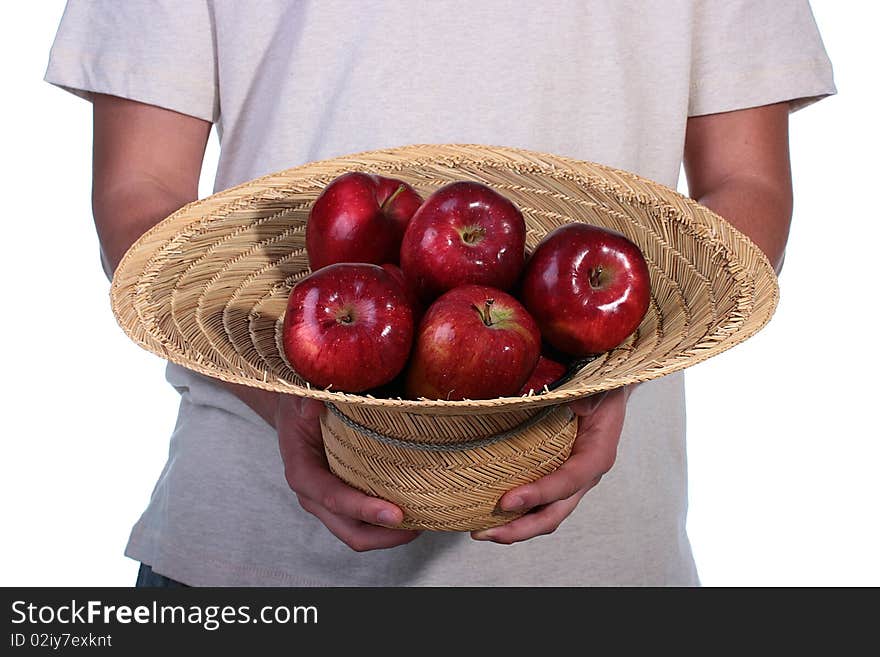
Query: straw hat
<point x="207" y="289"/>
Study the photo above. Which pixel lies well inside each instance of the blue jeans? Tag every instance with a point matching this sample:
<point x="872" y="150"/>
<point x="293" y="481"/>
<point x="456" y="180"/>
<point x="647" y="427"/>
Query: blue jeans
<point x="148" y="579"/>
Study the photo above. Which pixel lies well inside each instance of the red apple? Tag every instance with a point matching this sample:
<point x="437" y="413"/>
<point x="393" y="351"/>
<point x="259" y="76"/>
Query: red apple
<point x="415" y="304"/>
<point x="348" y="327"/>
<point x="359" y="217"/>
<point x="465" y="233"/>
<point x="547" y="371"/>
<point x="475" y="342"/>
<point x="587" y="287"/>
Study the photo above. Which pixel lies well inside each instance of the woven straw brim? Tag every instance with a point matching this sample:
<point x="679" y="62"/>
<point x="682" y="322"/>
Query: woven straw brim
<point x="207" y="287"/>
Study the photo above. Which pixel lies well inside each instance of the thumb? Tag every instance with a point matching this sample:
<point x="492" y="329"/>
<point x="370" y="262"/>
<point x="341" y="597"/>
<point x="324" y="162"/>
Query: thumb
<point x="588" y="405"/>
<point x="301" y="408"/>
<point x="310" y="409"/>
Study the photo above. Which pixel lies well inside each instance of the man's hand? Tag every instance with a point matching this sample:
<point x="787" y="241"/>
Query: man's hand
<point x="552" y="498"/>
<point x="352" y="516"/>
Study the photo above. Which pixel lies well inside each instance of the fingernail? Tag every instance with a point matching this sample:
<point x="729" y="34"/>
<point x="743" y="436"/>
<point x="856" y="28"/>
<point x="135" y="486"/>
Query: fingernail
<point x="387" y="517"/>
<point x="513" y="503"/>
<point x="483" y="535"/>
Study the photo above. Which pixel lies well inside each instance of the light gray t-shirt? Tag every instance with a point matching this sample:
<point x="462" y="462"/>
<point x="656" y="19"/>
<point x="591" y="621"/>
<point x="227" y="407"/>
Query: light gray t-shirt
<point x="611" y="81"/>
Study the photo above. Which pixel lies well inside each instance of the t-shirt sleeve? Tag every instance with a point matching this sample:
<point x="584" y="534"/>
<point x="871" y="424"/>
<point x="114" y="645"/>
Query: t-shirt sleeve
<point x="159" y="52"/>
<point x="748" y="53"/>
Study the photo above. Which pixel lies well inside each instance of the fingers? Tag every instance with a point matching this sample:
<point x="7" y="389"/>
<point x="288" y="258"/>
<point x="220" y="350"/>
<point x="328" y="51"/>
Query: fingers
<point x="580" y="472"/>
<point x="351" y="515"/>
<point x="592" y="455"/>
<point x="357" y="535"/>
<point x="309" y="475"/>
<point x="545" y="520"/>
<point x="322" y="486"/>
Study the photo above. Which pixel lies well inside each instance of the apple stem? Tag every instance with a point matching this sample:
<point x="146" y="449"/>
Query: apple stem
<point x="595" y="277"/>
<point x="485" y="314"/>
<point x="473" y="235"/>
<point x="390" y="199"/>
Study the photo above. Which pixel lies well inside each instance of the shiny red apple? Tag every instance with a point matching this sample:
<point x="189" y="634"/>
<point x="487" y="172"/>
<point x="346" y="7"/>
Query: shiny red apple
<point x="465" y="233"/>
<point x="587" y="287"/>
<point x="348" y="327"/>
<point x="547" y="371"/>
<point x="474" y="342"/>
<point x="359" y="217"/>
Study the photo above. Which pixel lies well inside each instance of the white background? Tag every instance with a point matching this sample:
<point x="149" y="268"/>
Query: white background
<point x="783" y="442"/>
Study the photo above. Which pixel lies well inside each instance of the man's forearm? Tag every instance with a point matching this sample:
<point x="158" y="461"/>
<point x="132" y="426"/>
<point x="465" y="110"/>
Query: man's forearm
<point x="737" y="164"/>
<point x="143" y="206"/>
<point x="122" y="215"/>
<point x="761" y="211"/>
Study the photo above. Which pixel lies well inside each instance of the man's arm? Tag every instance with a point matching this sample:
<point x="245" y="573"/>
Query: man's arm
<point x="146" y="165"/>
<point x="737" y="164"/>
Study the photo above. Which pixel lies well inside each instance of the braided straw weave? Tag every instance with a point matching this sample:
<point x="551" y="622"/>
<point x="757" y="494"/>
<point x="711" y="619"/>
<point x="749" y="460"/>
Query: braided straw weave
<point x="207" y="289"/>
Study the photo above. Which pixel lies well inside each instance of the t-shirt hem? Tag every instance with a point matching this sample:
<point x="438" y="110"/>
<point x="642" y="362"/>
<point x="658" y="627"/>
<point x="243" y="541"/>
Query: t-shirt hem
<point x="204" y="570"/>
<point x="208" y="571"/>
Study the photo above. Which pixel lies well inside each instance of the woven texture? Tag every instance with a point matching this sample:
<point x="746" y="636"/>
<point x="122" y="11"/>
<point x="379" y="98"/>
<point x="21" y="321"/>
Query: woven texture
<point x="207" y="289"/>
<point x="454" y="490"/>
